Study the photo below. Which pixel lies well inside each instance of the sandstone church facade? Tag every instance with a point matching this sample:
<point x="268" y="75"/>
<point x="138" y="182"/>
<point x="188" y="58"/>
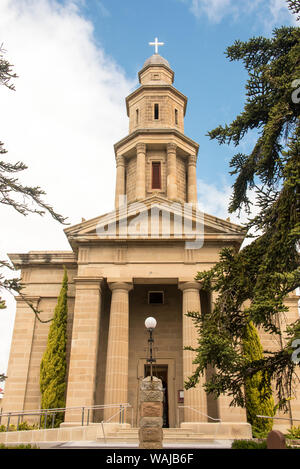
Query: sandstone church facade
<point x="139" y="260"/>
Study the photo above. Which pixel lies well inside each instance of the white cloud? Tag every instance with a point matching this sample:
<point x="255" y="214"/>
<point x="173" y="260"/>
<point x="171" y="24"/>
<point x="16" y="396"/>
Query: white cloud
<point x="279" y="13"/>
<point x="62" y="121"/>
<point x="216" y="200"/>
<point x="268" y="12"/>
<point x="213" y="9"/>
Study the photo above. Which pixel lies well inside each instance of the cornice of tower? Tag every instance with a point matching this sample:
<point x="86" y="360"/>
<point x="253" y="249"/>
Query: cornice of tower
<point x="159" y="132"/>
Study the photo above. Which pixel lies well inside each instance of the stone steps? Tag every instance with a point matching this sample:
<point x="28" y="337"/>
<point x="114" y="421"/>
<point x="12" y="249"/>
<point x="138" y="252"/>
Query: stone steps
<point x="165" y="430"/>
<point x="171" y="435"/>
<point x="175" y="440"/>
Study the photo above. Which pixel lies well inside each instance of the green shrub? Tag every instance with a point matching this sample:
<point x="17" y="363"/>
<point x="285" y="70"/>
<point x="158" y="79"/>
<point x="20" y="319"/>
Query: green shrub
<point x="248" y="444"/>
<point x="26" y="426"/>
<point x="22" y="426"/>
<point x="11" y="428"/>
<point x="293" y="433"/>
<point x="261" y="432"/>
<point x="21" y="446"/>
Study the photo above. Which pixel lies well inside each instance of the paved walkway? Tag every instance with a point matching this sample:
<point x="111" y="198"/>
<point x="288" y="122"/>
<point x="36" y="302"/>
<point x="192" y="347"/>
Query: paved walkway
<point x="218" y="444"/>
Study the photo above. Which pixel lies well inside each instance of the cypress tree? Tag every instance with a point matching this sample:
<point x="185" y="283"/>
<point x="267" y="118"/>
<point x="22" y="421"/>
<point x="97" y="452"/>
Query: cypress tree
<point x="258" y="392"/>
<point x="54" y="364"/>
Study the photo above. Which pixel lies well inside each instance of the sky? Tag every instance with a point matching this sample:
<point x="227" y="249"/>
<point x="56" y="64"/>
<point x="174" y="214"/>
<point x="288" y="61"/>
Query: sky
<point x="76" y="61"/>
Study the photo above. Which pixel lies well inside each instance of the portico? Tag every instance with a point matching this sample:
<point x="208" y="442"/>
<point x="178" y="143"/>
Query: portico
<point x="125" y="307"/>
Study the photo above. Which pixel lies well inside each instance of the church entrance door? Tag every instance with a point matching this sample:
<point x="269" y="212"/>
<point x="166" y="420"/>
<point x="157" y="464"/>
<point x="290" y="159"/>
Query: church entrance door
<point x="161" y="372"/>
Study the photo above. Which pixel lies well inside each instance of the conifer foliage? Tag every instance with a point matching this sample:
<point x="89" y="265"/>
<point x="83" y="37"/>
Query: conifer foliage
<point x="53" y="364"/>
<point x="253" y="351"/>
<point x="294" y="6"/>
<point x="263" y="273"/>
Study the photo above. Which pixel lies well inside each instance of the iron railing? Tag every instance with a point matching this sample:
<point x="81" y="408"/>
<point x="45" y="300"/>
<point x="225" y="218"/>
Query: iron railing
<point x="291" y="419"/>
<point x="277" y="418"/>
<point x="46" y="415"/>
<point x="202" y="415"/>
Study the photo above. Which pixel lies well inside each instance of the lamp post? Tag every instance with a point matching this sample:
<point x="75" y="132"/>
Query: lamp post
<point x="150" y="324"/>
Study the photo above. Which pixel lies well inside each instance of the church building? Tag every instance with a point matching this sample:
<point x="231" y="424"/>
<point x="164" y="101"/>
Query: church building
<point x="137" y="261"/>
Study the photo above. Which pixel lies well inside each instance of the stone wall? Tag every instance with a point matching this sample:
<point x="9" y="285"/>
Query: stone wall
<point x="181" y="179"/>
<point x="131" y="179"/>
<point x="30" y="336"/>
<point x="144" y="103"/>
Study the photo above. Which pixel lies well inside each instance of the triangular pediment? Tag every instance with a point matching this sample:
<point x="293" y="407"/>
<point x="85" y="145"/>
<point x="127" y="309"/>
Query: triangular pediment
<point x="155" y="218"/>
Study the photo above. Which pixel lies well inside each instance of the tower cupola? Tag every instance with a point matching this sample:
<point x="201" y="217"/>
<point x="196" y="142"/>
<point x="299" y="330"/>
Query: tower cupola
<point x="156" y="103"/>
<point x="156" y="158"/>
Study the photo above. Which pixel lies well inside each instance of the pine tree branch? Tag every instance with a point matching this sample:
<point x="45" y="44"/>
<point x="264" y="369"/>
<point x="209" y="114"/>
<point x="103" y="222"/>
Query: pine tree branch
<point x="252" y="284"/>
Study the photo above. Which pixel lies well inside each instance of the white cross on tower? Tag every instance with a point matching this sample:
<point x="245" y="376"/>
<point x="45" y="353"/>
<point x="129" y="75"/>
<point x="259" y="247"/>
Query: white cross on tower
<point x="156" y="44"/>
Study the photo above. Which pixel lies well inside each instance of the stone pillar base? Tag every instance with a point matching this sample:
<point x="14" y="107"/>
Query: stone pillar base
<point x="151" y="411"/>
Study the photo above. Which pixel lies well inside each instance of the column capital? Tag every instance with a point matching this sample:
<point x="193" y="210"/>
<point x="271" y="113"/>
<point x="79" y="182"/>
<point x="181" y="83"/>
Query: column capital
<point x="120" y="160"/>
<point x="171" y="147"/>
<point x="141" y="147"/>
<point x="89" y="282"/>
<point x="189" y="285"/>
<point x="120" y="285"/>
<point x="192" y="160"/>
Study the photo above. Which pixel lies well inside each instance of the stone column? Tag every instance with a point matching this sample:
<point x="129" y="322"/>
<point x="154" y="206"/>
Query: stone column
<point x="120" y="179"/>
<point x="194" y="397"/>
<point x="227" y="413"/>
<point x="171" y="172"/>
<point x="140" y="171"/>
<point x="192" y="180"/>
<point x="84" y="347"/>
<point x="20" y="354"/>
<point x="116" y="382"/>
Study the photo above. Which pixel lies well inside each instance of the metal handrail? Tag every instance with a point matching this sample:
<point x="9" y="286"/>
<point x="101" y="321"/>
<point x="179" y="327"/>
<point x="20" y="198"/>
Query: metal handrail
<point x="104" y="437"/>
<point x="53" y="411"/>
<point x="114" y="415"/>
<point x="204" y="415"/>
<point x="198" y="411"/>
<point x="120" y="411"/>
<point x="277" y="418"/>
<point x="60" y="409"/>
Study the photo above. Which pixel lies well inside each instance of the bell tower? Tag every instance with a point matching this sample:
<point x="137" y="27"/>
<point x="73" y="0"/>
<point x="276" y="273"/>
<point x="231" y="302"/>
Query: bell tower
<point x="156" y="157"/>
